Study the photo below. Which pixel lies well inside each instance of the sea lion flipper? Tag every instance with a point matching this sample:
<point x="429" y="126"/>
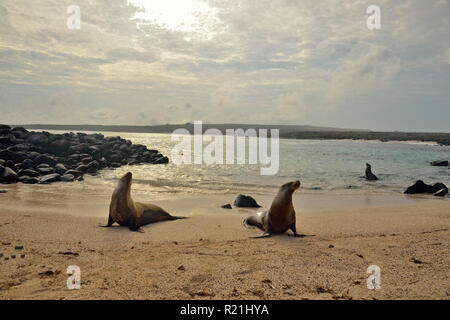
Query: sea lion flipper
<point x="265" y="235"/>
<point x="109" y="224"/>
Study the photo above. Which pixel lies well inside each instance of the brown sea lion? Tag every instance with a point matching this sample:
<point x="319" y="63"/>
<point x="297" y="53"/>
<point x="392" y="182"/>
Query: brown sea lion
<point x="126" y="212"/>
<point x="369" y="175"/>
<point x="281" y="215"/>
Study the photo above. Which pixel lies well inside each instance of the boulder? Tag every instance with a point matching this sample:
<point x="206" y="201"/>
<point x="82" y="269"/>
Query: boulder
<point x="60" y="168"/>
<point x="161" y="160"/>
<point x="49" y="178"/>
<point x="28" y="173"/>
<point x="421" y="187"/>
<point x="28" y="180"/>
<point x="75" y="173"/>
<point x="226" y="206"/>
<point x="45" y="170"/>
<point x="83" y="168"/>
<point x="10" y="155"/>
<point x="243" y="201"/>
<point x="92" y="166"/>
<point x="51" y="161"/>
<point x="67" y="178"/>
<point x="441" y="193"/>
<point x="59" y="147"/>
<point x="11" y="165"/>
<point x="8" y="176"/>
<point x="439" y="163"/>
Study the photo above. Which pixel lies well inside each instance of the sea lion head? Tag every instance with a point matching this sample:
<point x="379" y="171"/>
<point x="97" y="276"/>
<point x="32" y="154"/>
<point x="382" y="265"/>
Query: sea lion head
<point x="291" y="186"/>
<point x="127" y="179"/>
<point x="368" y="166"/>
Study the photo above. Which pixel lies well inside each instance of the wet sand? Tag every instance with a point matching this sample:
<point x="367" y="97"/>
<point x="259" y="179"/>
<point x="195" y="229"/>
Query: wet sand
<point x="209" y="255"/>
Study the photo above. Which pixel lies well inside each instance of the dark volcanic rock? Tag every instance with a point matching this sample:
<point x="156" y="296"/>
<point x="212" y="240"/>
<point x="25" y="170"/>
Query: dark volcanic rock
<point x="421" y="187"/>
<point x="226" y="206"/>
<point x="60" y="168"/>
<point x="45" y="170"/>
<point x="34" y="154"/>
<point x="28" y="172"/>
<point x="75" y="173"/>
<point x="245" y="202"/>
<point x="67" y="178"/>
<point x="49" y="178"/>
<point x="439" y="163"/>
<point x="161" y="160"/>
<point x="59" y="147"/>
<point x="28" y="180"/>
<point x="8" y="176"/>
<point x="51" y="161"/>
<point x="10" y="155"/>
<point x="441" y="193"/>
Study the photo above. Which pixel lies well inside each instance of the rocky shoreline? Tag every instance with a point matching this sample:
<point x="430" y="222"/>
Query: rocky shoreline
<point x="42" y="157"/>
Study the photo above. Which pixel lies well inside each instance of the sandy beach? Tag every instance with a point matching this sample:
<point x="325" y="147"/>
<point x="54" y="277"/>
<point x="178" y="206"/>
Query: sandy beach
<point x="209" y="255"/>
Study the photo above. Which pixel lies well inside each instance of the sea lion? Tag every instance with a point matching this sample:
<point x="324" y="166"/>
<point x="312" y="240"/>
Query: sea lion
<point x="281" y="215"/>
<point x="369" y="175"/>
<point x="126" y="212"/>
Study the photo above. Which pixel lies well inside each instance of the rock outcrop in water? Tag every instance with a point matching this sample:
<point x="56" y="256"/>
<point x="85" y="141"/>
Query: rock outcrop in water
<point x="42" y="157"/>
<point x="439" y="163"/>
<point x="437" y="189"/>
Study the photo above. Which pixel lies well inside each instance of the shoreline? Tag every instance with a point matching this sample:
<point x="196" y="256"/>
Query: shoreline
<point x="418" y="142"/>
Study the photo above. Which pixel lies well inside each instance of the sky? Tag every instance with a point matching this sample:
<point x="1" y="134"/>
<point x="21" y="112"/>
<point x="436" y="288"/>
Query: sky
<point x="151" y="62"/>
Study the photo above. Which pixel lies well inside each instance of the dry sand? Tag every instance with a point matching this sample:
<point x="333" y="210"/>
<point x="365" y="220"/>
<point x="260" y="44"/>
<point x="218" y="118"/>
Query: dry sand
<point x="209" y="255"/>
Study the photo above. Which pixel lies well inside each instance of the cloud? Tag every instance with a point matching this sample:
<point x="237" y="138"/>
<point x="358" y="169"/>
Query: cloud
<point x="233" y="61"/>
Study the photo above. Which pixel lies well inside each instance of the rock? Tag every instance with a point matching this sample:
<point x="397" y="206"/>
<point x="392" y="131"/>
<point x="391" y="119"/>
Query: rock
<point x="28" y="172"/>
<point x="49" y="178"/>
<point x="11" y="165"/>
<point x="51" y="161"/>
<point x="439" y="163"/>
<point x="245" y="202"/>
<point x="10" y="155"/>
<point x="421" y="187"/>
<point x="75" y="173"/>
<point x="59" y="147"/>
<point x="8" y="176"/>
<point x="82" y="168"/>
<point x="60" y="168"/>
<point x="28" y="180"/>
<point x="441" y="193"/>
<point x="161" y="160"/>
<point x="40" y="140"/>
<point x="227" y="206"/>
<point x="45" y="170"/>
<point x="67" y="178"/>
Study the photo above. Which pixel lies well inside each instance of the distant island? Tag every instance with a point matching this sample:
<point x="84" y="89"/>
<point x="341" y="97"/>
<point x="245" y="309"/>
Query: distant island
<point x="286" y="131"/>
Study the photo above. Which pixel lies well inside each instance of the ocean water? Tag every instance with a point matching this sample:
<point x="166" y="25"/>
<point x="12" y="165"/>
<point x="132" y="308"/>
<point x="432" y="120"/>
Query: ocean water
<point x="321" y="166"/>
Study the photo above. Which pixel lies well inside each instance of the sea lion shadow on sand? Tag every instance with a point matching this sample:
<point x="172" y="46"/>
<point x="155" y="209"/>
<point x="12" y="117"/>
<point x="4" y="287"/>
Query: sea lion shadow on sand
<point x="134" y="215"/>
<point x="281" y="215"/>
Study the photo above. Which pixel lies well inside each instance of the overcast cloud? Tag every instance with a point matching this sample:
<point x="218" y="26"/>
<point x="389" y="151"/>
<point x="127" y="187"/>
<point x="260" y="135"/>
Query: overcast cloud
<point x="252" y="61"/>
